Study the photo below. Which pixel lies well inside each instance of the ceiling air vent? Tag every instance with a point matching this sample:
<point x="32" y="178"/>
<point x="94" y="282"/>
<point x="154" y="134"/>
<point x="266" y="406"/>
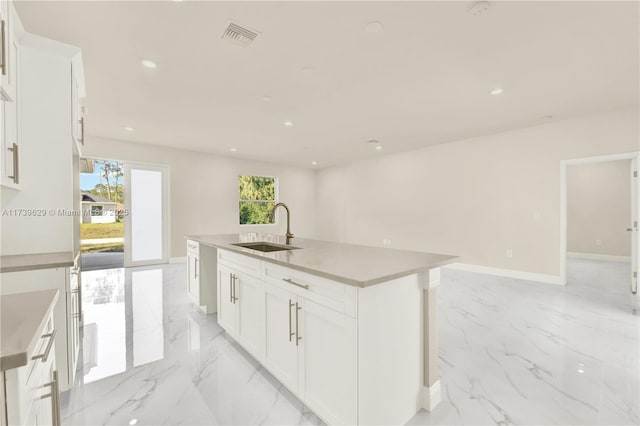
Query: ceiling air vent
<point x="239" y="35"/>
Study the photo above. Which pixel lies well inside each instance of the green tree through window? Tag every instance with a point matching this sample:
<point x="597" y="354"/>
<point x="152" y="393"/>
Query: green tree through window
<point x="257" y="198"/>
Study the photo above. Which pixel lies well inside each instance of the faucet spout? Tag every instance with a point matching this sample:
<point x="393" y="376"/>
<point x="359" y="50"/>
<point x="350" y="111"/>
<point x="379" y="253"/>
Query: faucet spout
<point x="289" y="235"/>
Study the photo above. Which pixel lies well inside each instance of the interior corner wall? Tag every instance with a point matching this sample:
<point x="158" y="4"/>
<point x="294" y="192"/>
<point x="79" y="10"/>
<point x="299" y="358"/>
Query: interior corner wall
<point x="203" y="189"/>
<point x="599" y="208"/>
<point x="475" y="198"/>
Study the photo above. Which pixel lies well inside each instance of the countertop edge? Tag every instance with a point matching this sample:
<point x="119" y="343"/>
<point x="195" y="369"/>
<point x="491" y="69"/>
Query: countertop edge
<point x="20" y="359"/>
<point x="36" y="266"/>
<point x="347" y="281"/>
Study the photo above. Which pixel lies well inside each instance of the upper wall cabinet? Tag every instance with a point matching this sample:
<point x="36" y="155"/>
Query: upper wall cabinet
<point x="10" y="28"/>
<point x="10" y="143"/>
<point x="77" y="93"/>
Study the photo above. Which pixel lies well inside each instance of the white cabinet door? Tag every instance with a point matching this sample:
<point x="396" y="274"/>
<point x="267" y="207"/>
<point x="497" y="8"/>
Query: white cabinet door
<point x="328" y="362"/>
<point x="250" y="305"/>
<point x="227" y="307"/>
<point x="193" y="282"/>
<point x="11" y="143"/>
<point x="8" y="53"/>
<point x="280" y="355"/>
<point x="77" y="119"/>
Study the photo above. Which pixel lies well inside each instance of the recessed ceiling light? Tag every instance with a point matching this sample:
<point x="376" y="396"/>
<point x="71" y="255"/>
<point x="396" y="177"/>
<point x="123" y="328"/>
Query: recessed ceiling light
<point x="233" y="149"/>
<point x="129" y="129"/>
<point x="373" y="27"/>
<point x="313" y="163"/>
<point x="497" y="91"/>
<point x="133" y="422"/>
<point x="288" y="123"/>
<point x="148" y="63"/>
<point x="378" y="148"/>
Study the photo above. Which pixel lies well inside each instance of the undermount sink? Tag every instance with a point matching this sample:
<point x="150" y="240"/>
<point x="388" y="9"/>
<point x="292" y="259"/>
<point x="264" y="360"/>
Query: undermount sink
<point x="265" y="246"/>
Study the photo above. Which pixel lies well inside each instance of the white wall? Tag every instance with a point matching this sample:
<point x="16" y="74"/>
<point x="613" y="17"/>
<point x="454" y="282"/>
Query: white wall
<point x="474" y="198"/>
<point x="204" y="189"/>
<point x="599" y="208"/>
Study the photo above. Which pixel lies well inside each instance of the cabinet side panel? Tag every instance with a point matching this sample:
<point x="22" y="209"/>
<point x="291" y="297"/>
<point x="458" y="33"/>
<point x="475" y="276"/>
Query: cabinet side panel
<point x="208" y="265"/>
<point x="389" y="351"/>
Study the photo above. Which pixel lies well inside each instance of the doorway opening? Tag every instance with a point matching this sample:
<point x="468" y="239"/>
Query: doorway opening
<point x="599" y="223"/>
<point x="102" y="220"/>
<point x="125" y="214"/>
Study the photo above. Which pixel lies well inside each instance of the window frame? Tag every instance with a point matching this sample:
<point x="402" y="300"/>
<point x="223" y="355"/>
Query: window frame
<point x="276" y="196"/>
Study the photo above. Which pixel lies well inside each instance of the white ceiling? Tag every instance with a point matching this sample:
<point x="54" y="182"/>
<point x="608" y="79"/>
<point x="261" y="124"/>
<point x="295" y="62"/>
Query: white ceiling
<point x="424" y="79"/>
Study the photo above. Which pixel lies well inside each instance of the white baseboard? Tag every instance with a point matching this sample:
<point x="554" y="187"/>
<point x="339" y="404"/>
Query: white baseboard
<point x="594" y="256"/>
<point x="431" y="396"/>
<point x="182" y="259"/>
<point x="510" y="273"/>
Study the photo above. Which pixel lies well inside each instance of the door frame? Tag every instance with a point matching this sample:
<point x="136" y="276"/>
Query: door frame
<point x="166" y="225"/>
<point x="564" y="164"/>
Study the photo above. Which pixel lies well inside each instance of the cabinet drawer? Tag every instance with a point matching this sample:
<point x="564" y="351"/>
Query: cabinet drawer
<point x="46" y="341"/>
<point x="240" y="262"/>
<point x="193" y="248"/>
<point x="334" y="295"/>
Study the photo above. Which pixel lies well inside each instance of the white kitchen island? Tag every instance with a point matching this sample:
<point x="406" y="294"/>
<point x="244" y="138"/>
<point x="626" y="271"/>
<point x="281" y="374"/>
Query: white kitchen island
<point x="350" y="330"/>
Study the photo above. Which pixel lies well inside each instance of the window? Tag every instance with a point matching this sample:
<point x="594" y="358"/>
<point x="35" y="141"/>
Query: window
<point x="257" y="198"/>
<point x="96" y="210"/>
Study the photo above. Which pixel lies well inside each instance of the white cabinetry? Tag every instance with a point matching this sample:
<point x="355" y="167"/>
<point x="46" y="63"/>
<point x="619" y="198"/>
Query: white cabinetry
<point x="202" y="276"/>
<point x="298" y="327"/>
<point x="31" y="392"/>
<point x="193" y="271"/>
<point x="227" y="310"/>
<point x="328" y="362"/>
<point x="10" y="158"/>
<point x="281" y="352"/>
<point x="249" y="300"/>
<point x="77" y="93"/>
<point x="10" y="31"/>
<point x="66" y="313"/>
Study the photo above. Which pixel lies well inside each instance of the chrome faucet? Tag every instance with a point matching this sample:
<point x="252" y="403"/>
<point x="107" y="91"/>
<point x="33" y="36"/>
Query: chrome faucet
<point x="289" y="235"/>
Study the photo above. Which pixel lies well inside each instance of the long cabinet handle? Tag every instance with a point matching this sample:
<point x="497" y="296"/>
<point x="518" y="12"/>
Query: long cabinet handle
<point x="44" y="356"/>
<point x="291" y="332"/>
<point x="230" y="287"/>
<point x="82" y="130"/>
<point x="290" y="281"/>
<point x="55" y="398"/>
<point x="298" y="338"/>
<point x="235" y="288"/>
<point x="195" y="267"/>
<point x="3" y="65"/>
<point x="16" y="164"/>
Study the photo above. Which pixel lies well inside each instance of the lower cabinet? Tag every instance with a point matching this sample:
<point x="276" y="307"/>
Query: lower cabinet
<point x="327" y="362"/>
<point x="281" y="351"/>
<point x="193" y="271"/>
<point x="202" y="276"/>
<point x="309" y="347"/>
<point x="31" y="392"/>
<point x="249" y="299"/>
<point x="227" y="307"/>
<point x="66" y="313"/>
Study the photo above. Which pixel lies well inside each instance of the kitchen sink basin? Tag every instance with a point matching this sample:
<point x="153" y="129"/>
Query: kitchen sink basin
<point x="265" y="246"/>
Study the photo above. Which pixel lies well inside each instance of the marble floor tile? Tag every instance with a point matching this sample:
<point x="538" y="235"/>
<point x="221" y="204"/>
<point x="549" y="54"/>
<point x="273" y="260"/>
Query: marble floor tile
<point x="511" y="352"/>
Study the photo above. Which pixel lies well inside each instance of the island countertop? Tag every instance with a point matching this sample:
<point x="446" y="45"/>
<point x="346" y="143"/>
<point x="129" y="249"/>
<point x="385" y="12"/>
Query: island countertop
<point x="23" y="317"/>
<point x="355" y="265"/>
